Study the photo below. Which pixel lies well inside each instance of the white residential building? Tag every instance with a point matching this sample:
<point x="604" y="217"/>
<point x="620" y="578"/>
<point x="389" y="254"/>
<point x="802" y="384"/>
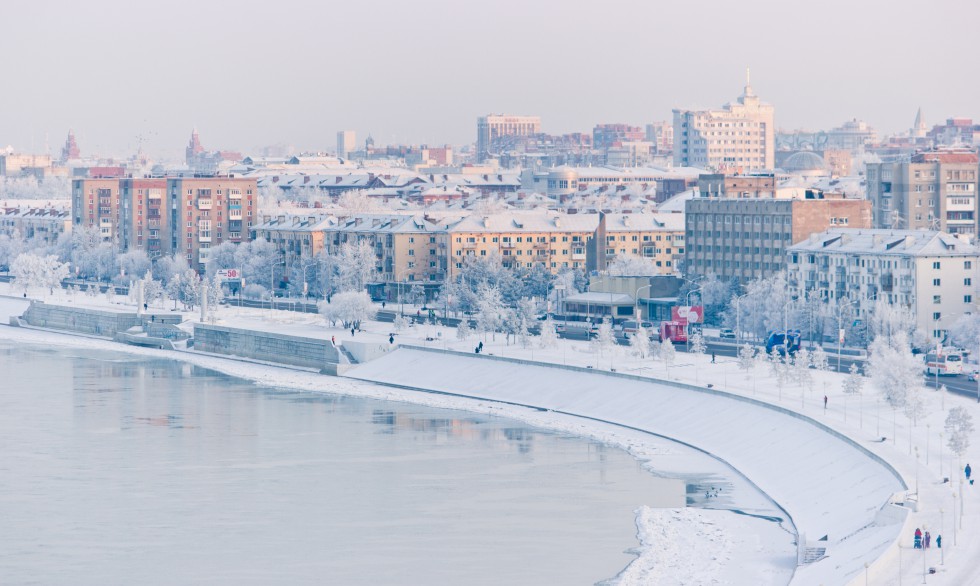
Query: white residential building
<point x="932" y="273"/>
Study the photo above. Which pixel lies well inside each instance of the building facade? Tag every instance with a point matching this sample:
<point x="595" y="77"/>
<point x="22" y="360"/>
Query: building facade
<point x="144" y="215"/>
<point x="42" y="225"/>
<point x="738" y="137"/>
<point x="494" y="126"/>
<point x="205" y="212"/>
<point x="747" y="239"/>
<point x="930" y="191"/>
<point x="346" y="143"/>
<point x="96" y="204"/>
<point x="932" y="273"/>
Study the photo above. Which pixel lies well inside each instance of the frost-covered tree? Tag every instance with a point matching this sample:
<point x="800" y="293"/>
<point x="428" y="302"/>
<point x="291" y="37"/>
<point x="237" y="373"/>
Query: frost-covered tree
<point x="818" y="358"/>
<point x="889" y="320"/>
<point x="463" y="330"/>
<point x="854" y="381"/>
<point x="959" y="430"/>
<point x="355" y="202"/>
<point x="801" y="369"/>
<point x="965" y="332"/>
<point x="766" y="306"/>
<point x="356" y="264"/>
<point x="893" y="368"/>
<point x="605" y="340"/>
<point x="522" y="334"/>
<point x="631" y="265"/>
<point x="640" y="342"/>
<point x="490" y="309"/>
<point x="915" y="404"/>
<point x="698" y="345"/>
<point x="133" y="265"/>
<point x="349" y="307"/>
<point x="10" y="247"/>
<point x="746" y="358"/>
<point x="44" y="272"/>
<point x="166" y="267"/>
<point x="183" y="287"/>
<point x="401" y="323"/>
<point x="668" y="354"/>
<point x="416" y="295"/>
<point x="548" y="338"/>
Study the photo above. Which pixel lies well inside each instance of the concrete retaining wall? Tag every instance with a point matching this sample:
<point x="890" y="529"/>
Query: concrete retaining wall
<point x="79" y="319"/>
<point x="269" y="347"/>
<point x="366" y="351"/>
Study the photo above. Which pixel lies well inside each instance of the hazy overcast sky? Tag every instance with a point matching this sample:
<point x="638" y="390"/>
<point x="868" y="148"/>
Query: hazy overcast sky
<point x="250" y="73"/>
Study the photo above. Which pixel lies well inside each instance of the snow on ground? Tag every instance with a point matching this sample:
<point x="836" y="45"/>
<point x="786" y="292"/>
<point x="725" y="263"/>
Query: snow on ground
<point x="864" y="418"/>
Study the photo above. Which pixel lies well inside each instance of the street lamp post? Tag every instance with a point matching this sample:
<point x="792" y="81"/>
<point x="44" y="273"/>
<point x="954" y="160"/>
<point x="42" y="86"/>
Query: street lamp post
<point x="738" y="317"/>
<point x="840" y="309"/>
<point x="636" y="301"/>
<point x="687" y="322"/>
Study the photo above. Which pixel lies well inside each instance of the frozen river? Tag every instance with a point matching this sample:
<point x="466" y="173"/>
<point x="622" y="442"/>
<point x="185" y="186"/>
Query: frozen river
<point x="120" y="469"/>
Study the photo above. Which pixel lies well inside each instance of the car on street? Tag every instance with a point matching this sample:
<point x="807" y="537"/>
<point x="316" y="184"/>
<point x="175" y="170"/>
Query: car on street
<point x="973" y="375"/>
<point x="727" y="333"/>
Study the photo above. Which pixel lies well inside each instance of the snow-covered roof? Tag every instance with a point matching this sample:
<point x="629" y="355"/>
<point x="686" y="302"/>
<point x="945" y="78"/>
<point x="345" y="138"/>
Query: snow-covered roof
<point x="617" y="222"/>
<point x="527" y="221"/>
<point x="600" y="298"/>
<point x="676" y="203"/>
<point x="886" y="242"/>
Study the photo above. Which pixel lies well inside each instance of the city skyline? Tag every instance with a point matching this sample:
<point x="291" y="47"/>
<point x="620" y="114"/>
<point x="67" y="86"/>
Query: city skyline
<point x="423" y="73"/>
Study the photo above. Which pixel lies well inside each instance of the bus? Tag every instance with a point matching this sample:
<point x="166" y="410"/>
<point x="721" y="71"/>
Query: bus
<point x="948" y="362"/>
<point x="785" y="342"/>
<point x="674" y="331"/>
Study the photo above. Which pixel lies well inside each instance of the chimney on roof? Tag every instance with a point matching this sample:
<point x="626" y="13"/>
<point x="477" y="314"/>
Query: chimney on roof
<point x="282" y="219"/>
<point x="296" y="220"/>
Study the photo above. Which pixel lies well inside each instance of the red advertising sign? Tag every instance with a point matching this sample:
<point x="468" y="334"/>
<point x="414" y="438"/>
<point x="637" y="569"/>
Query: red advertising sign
<point x="685" y="314"/>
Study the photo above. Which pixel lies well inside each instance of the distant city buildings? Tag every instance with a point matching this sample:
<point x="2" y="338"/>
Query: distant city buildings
<point x="199" y="160"/>
<point x="494" y="126"/>
<point x="40" y="224"/>
<point x="70" y="151"/>
<point x="934" y="190"/>
<point x="346" y="143"/>
<point x="738" y="137"/>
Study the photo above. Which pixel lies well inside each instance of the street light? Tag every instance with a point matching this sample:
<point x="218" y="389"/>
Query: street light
<point x="840" y="329"/>
<point x="687" y="321"/>
<point x="738" y="317"/>
<point x="636" y="301"/>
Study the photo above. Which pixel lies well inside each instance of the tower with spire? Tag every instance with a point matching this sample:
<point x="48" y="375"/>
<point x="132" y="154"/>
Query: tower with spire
<point x="919" y="126"/>
<point x="70" y="150"/>
<point x="193" y="149"/>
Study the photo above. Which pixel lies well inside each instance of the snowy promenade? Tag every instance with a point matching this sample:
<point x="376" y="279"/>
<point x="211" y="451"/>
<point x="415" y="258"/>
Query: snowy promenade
<point x="772" y="450"/>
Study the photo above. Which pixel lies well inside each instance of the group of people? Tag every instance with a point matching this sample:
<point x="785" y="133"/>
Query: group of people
<point x="479" y="348"/>
<point x="924" y="540"/>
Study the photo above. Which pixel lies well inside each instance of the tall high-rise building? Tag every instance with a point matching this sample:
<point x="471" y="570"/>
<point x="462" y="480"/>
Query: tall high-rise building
<point x="738" y="137"/>
<point x="346" y="143"/>
<point x="494" y="126"/>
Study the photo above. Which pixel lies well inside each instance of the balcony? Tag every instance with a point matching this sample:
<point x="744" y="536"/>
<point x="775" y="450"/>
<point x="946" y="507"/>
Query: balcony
<point x="204" y="237"/>
<point x="506" y="245"/>
<point x="204" y="204"/>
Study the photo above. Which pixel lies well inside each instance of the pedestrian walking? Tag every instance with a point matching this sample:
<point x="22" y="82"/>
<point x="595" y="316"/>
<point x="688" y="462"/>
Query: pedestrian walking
<point x="333" y="340"/>
<point x="917" y="543"/>
<point x="391" y="339"/>
<point x="712" y="358"/>
<point x="825" y="402"/>
<point x="352" y="332"/>
<point x="927" y="539"/>
<point x="382" y="305"/>
<point x="968" y="470"/>
<point x="939" y="542"/>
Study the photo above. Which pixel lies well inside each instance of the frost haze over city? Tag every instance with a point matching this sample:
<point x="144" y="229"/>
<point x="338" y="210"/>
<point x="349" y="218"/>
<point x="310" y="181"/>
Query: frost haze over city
<point x="691" y="301"/>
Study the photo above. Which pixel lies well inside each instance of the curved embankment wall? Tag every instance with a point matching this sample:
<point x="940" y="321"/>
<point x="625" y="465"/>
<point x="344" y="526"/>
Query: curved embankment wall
<point x="827" y="483"/>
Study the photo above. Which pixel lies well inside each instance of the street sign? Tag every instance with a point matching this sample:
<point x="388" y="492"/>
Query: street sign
<point x="229" y="273"/>
<point x="687" y="313"/>
<point x="840" y="337"/>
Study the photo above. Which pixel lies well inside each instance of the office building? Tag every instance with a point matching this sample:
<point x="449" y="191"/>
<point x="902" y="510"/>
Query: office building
<point x="738" y="137"/>
<point x="346" y="143"/>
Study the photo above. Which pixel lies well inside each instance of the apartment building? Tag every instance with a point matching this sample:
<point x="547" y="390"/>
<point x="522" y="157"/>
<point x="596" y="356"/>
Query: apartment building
<point x="96" y="204"/>
<point x="932" y="273"/>
<point x="144" y="214"/>
<point x="206" y="212"/>
<point x="658" y="237"/>
<point x="42" y="225"/>
<point x="748" y="238"/>
<point x="931" y="191"/>
<point x="494" y="126"/>
<point x="739" y="136"/>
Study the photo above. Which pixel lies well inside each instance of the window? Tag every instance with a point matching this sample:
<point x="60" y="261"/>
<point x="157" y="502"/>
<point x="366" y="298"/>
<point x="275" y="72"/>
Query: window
<point x="968" y="281"/>
<point x="936" y="282"/>
<point x="937" y="299"/>
<point x="967" y="264"/>
<point x="935" y="265"/>
<point x="968" y="299"/>
<point x="936" y="316"/>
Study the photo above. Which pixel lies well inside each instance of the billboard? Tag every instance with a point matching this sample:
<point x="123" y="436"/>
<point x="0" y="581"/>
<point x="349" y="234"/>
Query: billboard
<point x="685" y="314"/>
<point x="229" y="273"/>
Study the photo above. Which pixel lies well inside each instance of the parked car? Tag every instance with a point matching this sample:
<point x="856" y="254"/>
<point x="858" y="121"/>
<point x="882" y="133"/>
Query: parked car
<point x="727" y="333"/>
<point x="973" y="375"/>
